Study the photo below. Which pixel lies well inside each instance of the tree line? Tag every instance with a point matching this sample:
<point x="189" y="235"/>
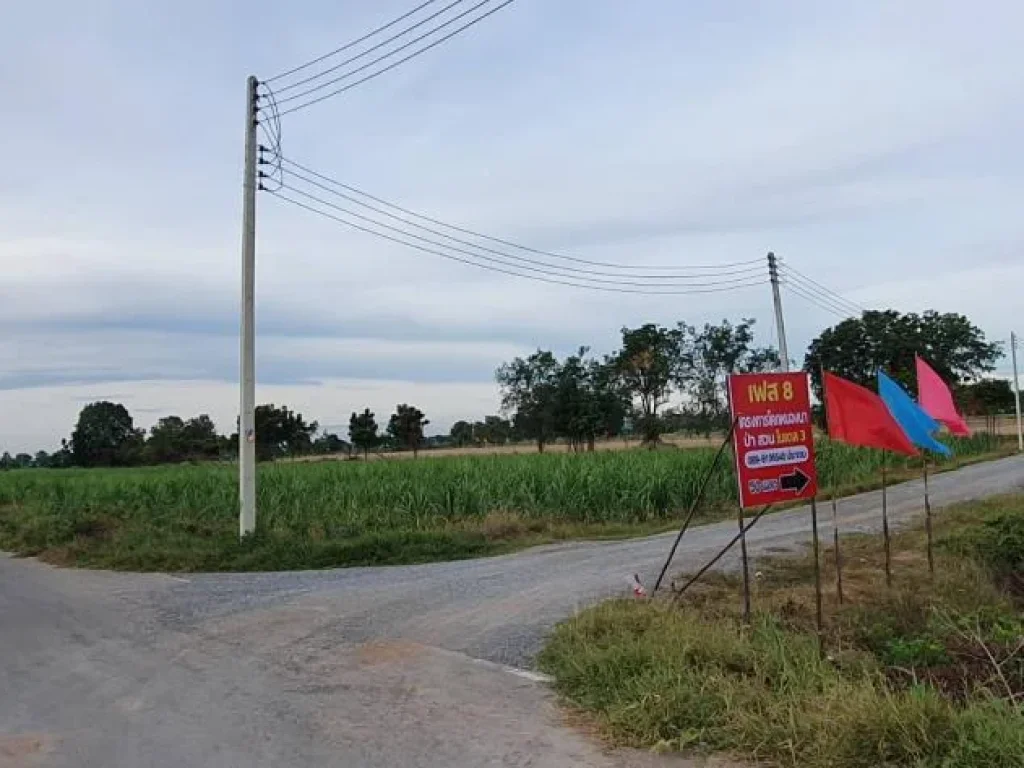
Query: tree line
<point x="583" y="397"/>
<point x="660" y="379"/>
<point x="105" y="435"/>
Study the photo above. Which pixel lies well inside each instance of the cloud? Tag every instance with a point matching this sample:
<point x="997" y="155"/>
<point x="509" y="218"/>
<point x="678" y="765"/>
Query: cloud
<point x="873" y="146"/>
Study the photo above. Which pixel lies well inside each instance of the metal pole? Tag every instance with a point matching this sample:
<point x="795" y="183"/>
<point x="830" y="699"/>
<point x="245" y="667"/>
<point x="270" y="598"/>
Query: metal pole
<point x="780" y="325"/>
<point x="1016" y="390"/>
<point x="247" y="398"/>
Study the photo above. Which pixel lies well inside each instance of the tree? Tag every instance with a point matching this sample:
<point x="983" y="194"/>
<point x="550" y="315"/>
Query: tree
<point x="856" y="348"/>
<point x="42" y="460"/>
<point x="462" y="433"/>
<point x="282" y="432"/>
<point x="173" y="439"/>
<point x="362" y="431"/>
<point x="105" y="436"/>
<point x="329" y="443"/>
<point x="200" y="438"/>
<point x="711" y="354"/>
<point x="166" y="443"/>
<point x="493" y="430"/>
<point x="590" y="400"/>
<point x="528" y="391"/>
<point x="406" y="427"/>
<point x="6" y="461"/>
<point x="23" y="461"/>
<point x="650" y="359"/>
<point x="986" y="397"/>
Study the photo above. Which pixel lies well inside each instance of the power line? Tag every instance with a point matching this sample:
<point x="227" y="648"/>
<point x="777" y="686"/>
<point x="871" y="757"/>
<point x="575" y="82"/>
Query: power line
<point x="388" y="68"/>
<point x="503" y="262"/>
<point x="814" y="284"/>
<point x="820" y="299"/>
<point x="273" y="135"/>
<point x="820" y="304"/>
<point x="848" y="309"/>
<point x="715" y="278"/>
<point x="511" y="272"/>
<point x="351" y="44"/>
<point x="812" y="300"/>
<point x="380" y="45"/>
<point x="389" y="54"/>
<point x="737" y="267"/>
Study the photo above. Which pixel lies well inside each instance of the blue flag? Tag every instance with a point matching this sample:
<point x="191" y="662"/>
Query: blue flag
<point x="919" y="426"/>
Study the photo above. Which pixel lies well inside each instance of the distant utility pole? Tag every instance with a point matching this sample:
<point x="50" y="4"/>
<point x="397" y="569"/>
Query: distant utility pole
<point x="780" y="325"/>
<point x="247" y="395"/>
<point x="1016" y="390"/>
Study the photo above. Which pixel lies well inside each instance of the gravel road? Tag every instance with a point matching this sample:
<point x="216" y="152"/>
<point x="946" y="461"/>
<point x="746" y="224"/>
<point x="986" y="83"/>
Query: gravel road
<point x="364" y="667"/>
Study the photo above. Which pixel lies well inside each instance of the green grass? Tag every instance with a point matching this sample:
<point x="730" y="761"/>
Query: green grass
<point x="926" y="675"/>
<point x="323" y="514"/>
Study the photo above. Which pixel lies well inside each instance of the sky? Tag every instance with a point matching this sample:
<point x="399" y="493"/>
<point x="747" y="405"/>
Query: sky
<point x="874" y="146"/>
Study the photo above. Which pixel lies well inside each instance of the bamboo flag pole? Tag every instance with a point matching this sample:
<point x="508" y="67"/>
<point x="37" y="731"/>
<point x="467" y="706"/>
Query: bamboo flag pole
<point x="817" y="574"/>
<point x="746" y="564"/>
<point x="835" y="544"/>
<point x="835" y="503"/>
<point x="928" y="518"/>
<point x="885" y="528"/>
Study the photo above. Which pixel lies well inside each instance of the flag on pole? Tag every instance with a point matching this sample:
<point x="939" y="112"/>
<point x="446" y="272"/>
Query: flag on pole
<point x="918" y="425"/>
<point x="937" y="401"/>
<point x="859" y="417"/>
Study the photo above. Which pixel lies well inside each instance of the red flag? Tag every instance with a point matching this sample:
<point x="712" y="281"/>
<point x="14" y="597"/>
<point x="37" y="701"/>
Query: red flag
<point x="859" y="417"/>
<point x="936" y="400"/>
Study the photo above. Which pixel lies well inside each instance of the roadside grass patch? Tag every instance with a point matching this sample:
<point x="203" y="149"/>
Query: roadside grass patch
<point x="927" y="675"/>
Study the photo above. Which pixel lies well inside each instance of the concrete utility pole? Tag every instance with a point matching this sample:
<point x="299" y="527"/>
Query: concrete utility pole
<point x="780" y="325"/>
<point x="1016" y="390"/>
<point x="247" y="398"/>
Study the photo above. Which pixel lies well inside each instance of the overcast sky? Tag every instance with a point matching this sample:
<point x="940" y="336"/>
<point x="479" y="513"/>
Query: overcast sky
<point x="875" y="146"/>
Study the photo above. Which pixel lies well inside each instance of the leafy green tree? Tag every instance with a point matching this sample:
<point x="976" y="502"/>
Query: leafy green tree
<point x="590" y="401"/>
<point x="856" y="348"/>
<point x="23" y="461"/>
<point x="200" y="438"/>
<point x="105" y="436"/>
<point x="172" y="439"/>
<point x="405" y="427"/>
<point x="649" y="360"/>
<point x="711" y="354"/>
<point x="281" y="432"/>
<point x="362" y="431"/>
<point x="986" y="397"/>
<point x="529" y="390"/>
<point x="493" y="430"/>
<point x="6" y="461"/>
<point x="462" y="434"/>
<point x="166" y="443"/>
<point x="41" y="460"/>
<point x="329" y="443"/>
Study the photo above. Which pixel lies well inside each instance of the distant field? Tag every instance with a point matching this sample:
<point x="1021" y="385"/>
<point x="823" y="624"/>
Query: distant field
<point x="314" y="515"/>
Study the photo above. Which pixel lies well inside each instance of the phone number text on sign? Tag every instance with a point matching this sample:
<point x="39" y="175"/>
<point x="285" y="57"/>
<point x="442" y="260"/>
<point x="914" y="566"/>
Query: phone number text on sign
<point x="773" y="438"/>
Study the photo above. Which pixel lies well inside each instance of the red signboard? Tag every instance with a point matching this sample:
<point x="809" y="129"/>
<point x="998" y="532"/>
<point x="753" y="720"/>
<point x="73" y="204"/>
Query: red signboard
<point x="773" y="440"/>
